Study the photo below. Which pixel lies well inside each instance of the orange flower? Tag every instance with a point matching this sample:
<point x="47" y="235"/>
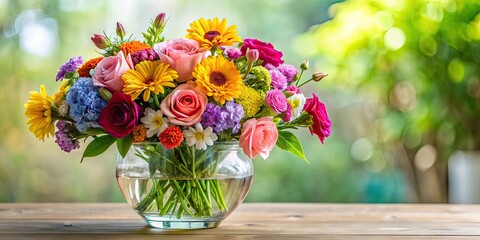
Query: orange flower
<point x="171" y="137"/>
<point x="133" y="46"/>
<point x="84" y="70"/>
<point x="139" y="133"/>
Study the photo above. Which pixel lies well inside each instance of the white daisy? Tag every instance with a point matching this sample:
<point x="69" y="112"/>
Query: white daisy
<point x="199" y="137"/>
<point x="297" y="101"/>
<point x="154" y="122"/>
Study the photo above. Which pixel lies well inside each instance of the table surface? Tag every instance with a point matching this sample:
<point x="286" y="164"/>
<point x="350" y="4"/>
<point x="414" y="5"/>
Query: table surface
<point x="249" y="221"/>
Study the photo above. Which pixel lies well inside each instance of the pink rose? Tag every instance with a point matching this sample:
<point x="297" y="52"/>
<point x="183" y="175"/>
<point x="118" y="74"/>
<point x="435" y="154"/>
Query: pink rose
<point x="120" y="115"/>
<point x="321" y="123"/>
<point x="108" y="72"/>
<point x="182" y="55"/>
<point x="184" y="105"/>
<point x="258" y="137"/>
<point x="265" y="50"/>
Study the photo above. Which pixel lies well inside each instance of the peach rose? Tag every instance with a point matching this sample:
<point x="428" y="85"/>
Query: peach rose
<point x="184" y="105"/>
<point x="182" y="55"/>
<point x="108" y="72"/>
<point x="258" y="137"/>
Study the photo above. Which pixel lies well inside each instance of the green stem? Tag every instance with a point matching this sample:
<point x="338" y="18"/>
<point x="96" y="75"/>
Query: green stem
<point x="309" y="80"/>
<point x="299" y="77"/>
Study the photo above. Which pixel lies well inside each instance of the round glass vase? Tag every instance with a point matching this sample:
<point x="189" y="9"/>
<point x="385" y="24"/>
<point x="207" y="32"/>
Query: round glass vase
<point x="184" y="188"/>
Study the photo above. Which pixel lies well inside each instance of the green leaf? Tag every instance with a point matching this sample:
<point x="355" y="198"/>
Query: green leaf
<point x="289" y="142"/>
<point x="124" y="144"/>
<point x="98" y="146"/>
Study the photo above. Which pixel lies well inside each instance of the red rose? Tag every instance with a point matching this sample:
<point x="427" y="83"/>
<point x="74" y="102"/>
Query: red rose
<point x="266" y="51"/>
<point x="321" y="123"/>
<point x="120" y="115"/>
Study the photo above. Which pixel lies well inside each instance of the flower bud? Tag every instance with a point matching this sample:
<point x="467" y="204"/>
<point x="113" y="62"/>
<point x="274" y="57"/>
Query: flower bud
<point x="319" y="76"/>
<point x="105" y="94"/>
<point x="120" y="30"/>
<point x="304" y="65"/>
<point x="100" y="41"/>
<point x="252" y="55"/>
<point x="160" y="20"/>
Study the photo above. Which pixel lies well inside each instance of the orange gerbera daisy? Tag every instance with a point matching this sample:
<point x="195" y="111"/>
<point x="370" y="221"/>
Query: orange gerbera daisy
<point x="209" y="33"/>
<point x="133" y="46"/>
<point x="84" y="70"/>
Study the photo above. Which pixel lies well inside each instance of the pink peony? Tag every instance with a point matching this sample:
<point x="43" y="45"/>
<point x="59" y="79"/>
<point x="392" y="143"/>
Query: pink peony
<point x="258" y="137"/>
<point x="108" y="72"/>
<point x="321" y="123"/>
<point x="182" y="55"/>
<point x="276" y="100"/>
<point x="266" y="51"/>
<point x="120" y="115"/>
<point x="184" y="105"/>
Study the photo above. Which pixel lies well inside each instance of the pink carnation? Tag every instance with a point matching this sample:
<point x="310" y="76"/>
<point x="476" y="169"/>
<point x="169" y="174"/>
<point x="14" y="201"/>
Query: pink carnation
<point x="276" y="100"/>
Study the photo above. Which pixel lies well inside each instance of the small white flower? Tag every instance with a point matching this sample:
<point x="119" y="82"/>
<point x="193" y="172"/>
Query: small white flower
<point x="63" y="109"/>
<point x="154" y="122"/>
<point x="199" y="137"/>
<point x="297" y="101"/>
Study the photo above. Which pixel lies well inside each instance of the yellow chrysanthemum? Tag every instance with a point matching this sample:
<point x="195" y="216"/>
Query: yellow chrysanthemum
<point x="148" y="77"/>
<point x="59" y="96"/>
<point x="250" y="100"/>
<point x="218" y="77"/>
<point x="209" y="33"/>
<point x="38" y="110"/>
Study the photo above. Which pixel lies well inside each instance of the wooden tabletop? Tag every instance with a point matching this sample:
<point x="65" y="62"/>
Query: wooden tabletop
<point x="249" y="221"/>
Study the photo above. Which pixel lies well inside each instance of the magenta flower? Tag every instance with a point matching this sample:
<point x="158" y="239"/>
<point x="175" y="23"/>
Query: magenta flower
<point x="279" y="81"/>
<point x="321" y="122"/>
<point x="266" y="51"/>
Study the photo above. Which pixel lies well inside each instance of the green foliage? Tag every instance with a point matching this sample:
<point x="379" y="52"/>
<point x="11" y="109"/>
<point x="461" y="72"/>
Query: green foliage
<point x="98" y="146"/>
<point x="289" y="142"/>
<point x="124" y="144"/>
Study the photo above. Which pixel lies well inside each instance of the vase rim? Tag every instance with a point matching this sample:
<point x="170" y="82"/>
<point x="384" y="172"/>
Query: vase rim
<point x="231" y="143"/>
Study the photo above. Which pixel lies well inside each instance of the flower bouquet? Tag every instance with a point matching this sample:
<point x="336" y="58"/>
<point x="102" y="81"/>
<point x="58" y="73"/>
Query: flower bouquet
<point x="187" y="115"/>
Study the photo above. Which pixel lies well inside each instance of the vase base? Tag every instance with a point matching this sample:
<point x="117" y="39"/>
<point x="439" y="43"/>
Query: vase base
<point x="182" y="223"/>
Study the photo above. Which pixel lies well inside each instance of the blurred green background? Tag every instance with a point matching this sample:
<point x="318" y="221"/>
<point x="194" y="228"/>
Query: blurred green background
<point x="403" y="92"/>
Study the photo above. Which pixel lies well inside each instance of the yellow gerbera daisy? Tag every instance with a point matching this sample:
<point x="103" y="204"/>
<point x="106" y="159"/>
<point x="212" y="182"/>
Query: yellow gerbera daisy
<point x="218" y="77"/>
<point x="38" y="110"/>
<point x="209" y="33"/>
<point x="148" y="77"/>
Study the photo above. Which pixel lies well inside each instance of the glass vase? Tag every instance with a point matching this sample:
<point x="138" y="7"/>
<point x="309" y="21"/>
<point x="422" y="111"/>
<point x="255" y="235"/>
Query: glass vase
<point x="184" y="188"/>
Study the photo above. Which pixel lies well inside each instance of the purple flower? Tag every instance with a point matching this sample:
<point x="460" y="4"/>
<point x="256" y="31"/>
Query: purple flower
<point x="289" y="71"/>
<point x="70" y="66"/>
<point x="269" y="66"/>
<point x="279" y="81"/>
<point x="144" y="55"/>
<point x="65" y="136"/>
<point x="223" y="118"/>
<point x="277" y="101"/>
<point x="234" y="53"/>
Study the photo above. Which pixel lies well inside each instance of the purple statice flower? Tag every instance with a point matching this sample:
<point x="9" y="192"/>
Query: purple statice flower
<point x="289" y="71"/>
<point x="223" y="118"/>
<point x="279" y="81"/>
<point x="70" y="66"/>
<point x="65" y="138"/>
<point x="234" y="53"/>
<point x="144" y="55"/>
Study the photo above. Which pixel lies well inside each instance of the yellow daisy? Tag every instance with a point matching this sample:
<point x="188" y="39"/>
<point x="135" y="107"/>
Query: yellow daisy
<point x="209" y="33"/>
<point x="38" y="110"/>
<point x="148" y="77"/>
<point x="218" y="77"/>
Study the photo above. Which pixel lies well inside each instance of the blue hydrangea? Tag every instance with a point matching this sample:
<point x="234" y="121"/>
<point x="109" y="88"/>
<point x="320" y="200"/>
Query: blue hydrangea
<point x="223" y="118"/>
<point x="85" y="104"/>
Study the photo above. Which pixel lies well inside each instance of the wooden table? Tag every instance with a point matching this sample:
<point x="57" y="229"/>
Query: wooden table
<point x="249" y="221"/>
